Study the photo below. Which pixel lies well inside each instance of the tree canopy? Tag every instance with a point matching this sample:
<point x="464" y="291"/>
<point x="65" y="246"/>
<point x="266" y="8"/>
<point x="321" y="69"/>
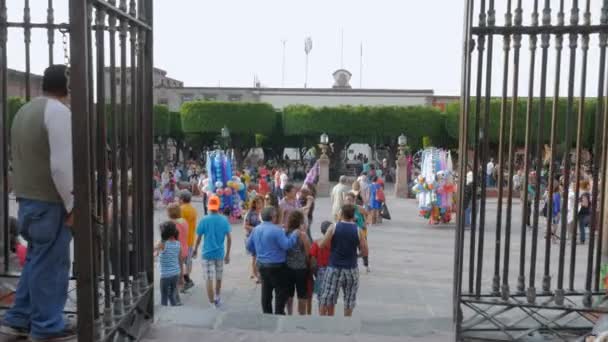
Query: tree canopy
<point x="241" y="118"/>
<point x="519" y="128"/>
<point x="367" y="124"/>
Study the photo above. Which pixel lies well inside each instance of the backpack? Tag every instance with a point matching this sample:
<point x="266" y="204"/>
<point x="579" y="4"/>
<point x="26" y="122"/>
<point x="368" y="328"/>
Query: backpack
<point x="380" y="195"/>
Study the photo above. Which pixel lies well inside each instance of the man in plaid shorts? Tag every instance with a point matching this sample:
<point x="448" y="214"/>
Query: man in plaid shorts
<point x="343" y="271"/>
<point x="216" y="229"/>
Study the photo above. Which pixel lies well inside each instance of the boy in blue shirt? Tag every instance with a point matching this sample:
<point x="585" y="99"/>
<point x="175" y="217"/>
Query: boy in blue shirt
<point x="216" y="228"/>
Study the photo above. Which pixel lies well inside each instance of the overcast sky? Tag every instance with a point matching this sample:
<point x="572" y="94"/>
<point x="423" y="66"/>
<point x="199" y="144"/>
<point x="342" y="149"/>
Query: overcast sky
<point x="406" y="43"/>
<point x="413" y="44"/>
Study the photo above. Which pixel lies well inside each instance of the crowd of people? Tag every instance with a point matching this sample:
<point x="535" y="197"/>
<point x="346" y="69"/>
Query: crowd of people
<point x="289" y="264"/>
<point x="552" y="197"/>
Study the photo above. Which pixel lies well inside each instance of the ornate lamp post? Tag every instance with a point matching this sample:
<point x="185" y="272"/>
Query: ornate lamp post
<point x="402" y="176"/>
<point x="402" y="143"/>
<point x="323" y="184"/>
<point x="324" y="145"/>
<point x="225" y="134"/>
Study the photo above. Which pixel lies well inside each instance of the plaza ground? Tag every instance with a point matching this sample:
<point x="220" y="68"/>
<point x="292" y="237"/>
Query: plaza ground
<point x="407" y="293"/>
<point x="406" y="297"/>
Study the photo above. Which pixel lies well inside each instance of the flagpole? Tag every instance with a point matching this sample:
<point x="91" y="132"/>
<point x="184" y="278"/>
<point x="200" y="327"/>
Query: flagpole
<point x="342" y="51"/>
<point x="283" y="66"/>
<point x="361" y="67"/>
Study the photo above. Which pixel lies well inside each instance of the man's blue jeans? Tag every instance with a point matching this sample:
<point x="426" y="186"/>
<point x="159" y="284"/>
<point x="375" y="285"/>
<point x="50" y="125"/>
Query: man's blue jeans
<point x="583" y="222"/>
<point x="467" y="216"/>
<point x="43" y="286"/>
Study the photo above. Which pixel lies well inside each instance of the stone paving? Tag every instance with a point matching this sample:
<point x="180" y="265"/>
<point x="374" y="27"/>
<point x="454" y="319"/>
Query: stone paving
<point x="408" y="292"/>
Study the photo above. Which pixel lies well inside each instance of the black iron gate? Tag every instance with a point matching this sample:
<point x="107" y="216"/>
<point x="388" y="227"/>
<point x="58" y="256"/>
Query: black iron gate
<point x="111" y="62"/>
<point x="519" y="271"/>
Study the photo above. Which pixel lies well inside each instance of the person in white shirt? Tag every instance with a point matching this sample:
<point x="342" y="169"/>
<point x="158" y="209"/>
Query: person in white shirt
<point x="490" y="173"/>
<point x="284" y="179"/>
<point x="41" y="148"/>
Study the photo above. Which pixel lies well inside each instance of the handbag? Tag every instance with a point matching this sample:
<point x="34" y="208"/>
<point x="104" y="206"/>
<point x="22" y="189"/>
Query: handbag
<point x="384" y="212"/>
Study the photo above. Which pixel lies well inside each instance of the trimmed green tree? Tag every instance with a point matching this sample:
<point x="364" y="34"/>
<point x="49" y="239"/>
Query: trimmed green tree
<point x="244" y="121"/>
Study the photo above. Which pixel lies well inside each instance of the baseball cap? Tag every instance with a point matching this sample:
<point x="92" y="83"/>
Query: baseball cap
<point x="214" y="203"/>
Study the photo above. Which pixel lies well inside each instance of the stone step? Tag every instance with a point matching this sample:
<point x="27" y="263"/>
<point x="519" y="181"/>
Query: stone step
<point x="218" y="320"/>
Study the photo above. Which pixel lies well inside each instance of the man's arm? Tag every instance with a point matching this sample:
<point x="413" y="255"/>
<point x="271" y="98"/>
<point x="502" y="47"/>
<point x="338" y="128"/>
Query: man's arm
<point x="285" y="242"/>
<point x="328" y="236"/>
<point x="363" y="245"/>
<point x="58" y="123"/>
<point x="198" y="243"/>
<point x="228" y="246"/>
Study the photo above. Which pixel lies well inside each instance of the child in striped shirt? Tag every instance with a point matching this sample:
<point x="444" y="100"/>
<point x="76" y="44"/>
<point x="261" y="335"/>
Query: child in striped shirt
<point x="168" y="251"/>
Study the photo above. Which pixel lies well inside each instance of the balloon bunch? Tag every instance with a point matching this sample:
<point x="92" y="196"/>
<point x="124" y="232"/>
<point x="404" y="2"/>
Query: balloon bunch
<point x="435" y="187"/>
<point x="223" y="184"/>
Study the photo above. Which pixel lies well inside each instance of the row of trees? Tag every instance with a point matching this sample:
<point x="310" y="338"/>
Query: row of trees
<point x="261" y="125"/>
<point x="199" y="123"/>
<point x="589" y="110"/>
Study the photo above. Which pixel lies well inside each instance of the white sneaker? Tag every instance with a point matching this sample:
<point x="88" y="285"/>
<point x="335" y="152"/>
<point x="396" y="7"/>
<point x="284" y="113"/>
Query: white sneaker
<point x="218" y="303"/>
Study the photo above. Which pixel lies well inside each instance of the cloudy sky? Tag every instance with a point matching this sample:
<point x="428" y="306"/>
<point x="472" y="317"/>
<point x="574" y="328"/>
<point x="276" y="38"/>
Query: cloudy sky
<point x="406" y="43"/>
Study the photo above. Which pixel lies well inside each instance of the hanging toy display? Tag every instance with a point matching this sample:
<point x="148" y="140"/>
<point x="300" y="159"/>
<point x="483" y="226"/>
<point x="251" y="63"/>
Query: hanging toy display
<point x="223" y="184"/>
<point x="435" y="186"/>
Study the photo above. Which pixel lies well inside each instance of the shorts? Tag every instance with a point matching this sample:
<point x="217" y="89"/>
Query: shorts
<point x="188" y="261"/>
<point x="298" y="280"/>
<point x="336" y="278"/>
<point x="319" y="281"/>
<point x="213" y="269"/>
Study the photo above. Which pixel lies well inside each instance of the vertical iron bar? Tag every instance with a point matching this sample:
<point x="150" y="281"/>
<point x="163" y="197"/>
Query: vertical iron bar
<point x="480" y="54"/>
<point x="491" y="20"/>
<point x="573" y="39"/>
<point x="463" y="156"/>
<point x="93" y="125"/>
<point x="501" y="148"/>
<point x="141" y="99"/>
<point x="554" y="117"/>
<point x="116" y="264"/>
<point x="50" y="20"/>
<point x="124" y="161"/>
<point x="521" y="286"/>
<point x="540" y="138"/>
<point x="134" y="132"/>
<point x="514" y="109"/>
<point x="27" y="34"/>
<point x="4" y="133"/>
<point x="148" y="149"/>
<point x="579" y="143"/>
<point x="83" y="232"/>
<point x="96" y="250"/>
<point x="102" y="170"/>
<point x="598" y="159"/>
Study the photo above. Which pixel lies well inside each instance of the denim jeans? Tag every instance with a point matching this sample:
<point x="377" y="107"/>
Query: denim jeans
<point x="583" y="221"/>
<point x="43" y="286"/>
<point x="467" y="216"/>
<point x="168" y="291"/>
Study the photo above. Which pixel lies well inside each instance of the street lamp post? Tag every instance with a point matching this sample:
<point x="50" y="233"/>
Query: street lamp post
<point x="225" y="134"/>
<point x="324" y="144"/>
<point x="402" y="176"/>
<point x="323" y="184"/>
<point x="402" y="145"/>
